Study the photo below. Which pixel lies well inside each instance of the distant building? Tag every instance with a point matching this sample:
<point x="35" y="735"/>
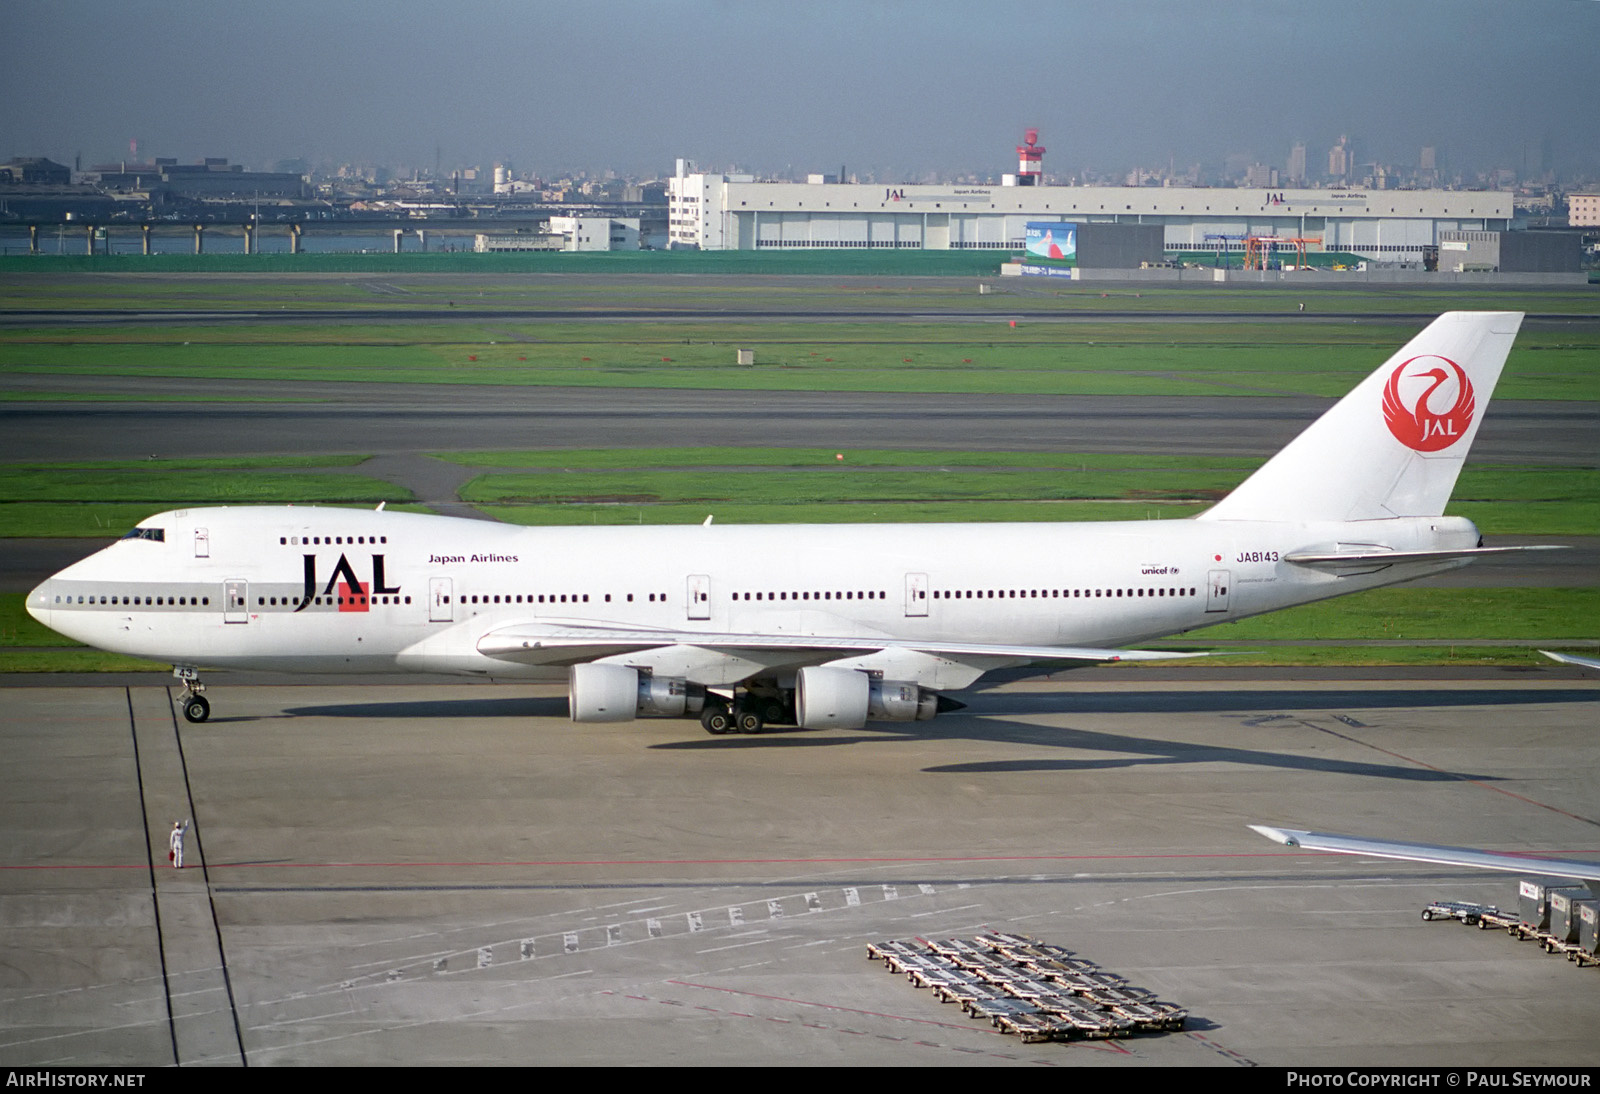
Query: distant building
<point x="34" y="188"/>
<point x="1510" y="252"/>
<point x="213" y="178"/>
<point x="654" y="193"/>
<point x="218" y="178"/>
<point x="1297" y="163"/>
<point x="125" y="177"/>
<point x="485" y="242"/>
<point x="732" y="212"/>
<point x="1258" y="176"/>
<point x="1583" y="210"/>
<point x="597" y="233"/>
<point x="1341" y="159"/>
<point x="35" y="171"/>
<point x="568" y="233"/>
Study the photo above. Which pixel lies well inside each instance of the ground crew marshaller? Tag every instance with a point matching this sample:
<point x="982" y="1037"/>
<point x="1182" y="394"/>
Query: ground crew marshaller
<point x="175" y="842"/>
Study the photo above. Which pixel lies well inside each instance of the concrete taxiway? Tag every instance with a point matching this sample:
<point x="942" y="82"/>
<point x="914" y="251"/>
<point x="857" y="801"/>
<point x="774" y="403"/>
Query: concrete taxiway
<point x="450" y="873"/>
<point x="259" y="418"/>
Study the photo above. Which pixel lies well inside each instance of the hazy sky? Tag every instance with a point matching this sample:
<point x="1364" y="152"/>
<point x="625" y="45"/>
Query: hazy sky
<point x="896" y="88"/>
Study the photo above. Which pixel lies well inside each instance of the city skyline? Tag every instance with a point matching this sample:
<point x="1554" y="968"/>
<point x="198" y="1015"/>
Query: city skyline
<point x="890" y="90"/>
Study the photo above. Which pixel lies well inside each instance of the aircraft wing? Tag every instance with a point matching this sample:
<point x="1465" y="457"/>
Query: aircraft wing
<point x="725" y="658"/>
<point x="1573" y="659"/>
<point x="1588" y="872"/>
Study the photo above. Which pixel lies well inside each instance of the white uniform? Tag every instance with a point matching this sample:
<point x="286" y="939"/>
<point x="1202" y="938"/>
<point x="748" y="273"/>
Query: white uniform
<point x="175" y="842"/>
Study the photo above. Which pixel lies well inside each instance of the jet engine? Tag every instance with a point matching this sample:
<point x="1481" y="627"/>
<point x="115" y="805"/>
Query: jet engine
<point x="831" y="698"/>
<point x="618" y="693"/>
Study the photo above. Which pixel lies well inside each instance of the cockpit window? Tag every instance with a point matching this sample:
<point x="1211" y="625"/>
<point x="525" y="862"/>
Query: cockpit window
<point x="159" y="535"/>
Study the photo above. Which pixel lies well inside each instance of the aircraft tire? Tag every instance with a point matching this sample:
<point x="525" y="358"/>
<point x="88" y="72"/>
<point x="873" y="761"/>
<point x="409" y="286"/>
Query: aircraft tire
<point x="717" y="720"/>
<point x="750" y="722"/>
<point x="196" y="709"/>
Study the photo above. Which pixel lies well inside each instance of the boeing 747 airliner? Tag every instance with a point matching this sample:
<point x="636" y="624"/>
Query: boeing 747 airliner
<point x="815" y="625"/>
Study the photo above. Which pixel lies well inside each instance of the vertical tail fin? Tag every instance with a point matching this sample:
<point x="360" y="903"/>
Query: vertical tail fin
<point x="1394" y="446"/>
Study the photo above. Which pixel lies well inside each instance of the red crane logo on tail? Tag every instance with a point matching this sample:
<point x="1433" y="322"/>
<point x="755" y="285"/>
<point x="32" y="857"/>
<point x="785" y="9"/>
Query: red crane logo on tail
<point x="1428" y="382"/>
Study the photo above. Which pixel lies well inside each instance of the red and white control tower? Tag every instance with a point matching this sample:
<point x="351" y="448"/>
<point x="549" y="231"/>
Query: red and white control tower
<point x="1030" y="160"/>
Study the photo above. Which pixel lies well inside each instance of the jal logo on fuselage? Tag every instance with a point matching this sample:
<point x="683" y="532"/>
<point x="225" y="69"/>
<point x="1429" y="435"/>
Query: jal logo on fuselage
<point x="1428" y="403"/>
<point x="353" y="592"/>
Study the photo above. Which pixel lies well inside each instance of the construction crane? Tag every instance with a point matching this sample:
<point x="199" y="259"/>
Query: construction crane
<point x="1258" y="248"/>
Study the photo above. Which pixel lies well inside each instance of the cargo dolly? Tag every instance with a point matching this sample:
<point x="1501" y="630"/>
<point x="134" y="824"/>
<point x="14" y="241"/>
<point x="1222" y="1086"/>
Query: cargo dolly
<point x="1563" y="919"/>
<point x="1033" y="990"/>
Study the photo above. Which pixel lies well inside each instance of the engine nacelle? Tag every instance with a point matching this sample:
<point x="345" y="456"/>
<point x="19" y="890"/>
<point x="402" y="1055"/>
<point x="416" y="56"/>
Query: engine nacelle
<point x="617" y="693"/>
<point x="603" y="693"/>
<point x="893" y="701"/>
<point x="827" y="698"/>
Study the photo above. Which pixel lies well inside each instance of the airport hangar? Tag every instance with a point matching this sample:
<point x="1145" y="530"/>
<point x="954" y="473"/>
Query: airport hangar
<point x="715" y="212"/>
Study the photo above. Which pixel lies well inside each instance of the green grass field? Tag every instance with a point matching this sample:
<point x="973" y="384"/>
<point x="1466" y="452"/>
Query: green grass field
<point x="766" y="281"/>
<point x="1231" y="359"/>
<point x="757" y="486"/>
<point x="71" y="499"/>
<point x="679" y="486"/>
<point x="820" y="332"/>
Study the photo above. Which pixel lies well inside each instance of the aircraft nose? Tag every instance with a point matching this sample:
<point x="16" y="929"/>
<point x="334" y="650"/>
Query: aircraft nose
<point x="38" y="603"/>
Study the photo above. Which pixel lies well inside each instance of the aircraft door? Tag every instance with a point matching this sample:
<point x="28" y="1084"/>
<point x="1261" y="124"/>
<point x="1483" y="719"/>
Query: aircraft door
<point x="1217" y="590"/>
<point x="440" y="608"/>
<point x="916" y="594"/>
<point x="202" y="543"/>
<point x="236" y="600"/>
<point x="699" y="596"/>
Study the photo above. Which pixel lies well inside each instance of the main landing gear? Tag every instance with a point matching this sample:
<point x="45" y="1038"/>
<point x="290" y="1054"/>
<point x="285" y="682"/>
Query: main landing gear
<point x="747" y="714"/>
<point x="193" y="703"/>
<point x="717" y="719"/>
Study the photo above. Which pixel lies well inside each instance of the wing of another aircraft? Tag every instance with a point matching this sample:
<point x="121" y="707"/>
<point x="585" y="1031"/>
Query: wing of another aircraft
<point x="1587" y="872"/>
<point x="1573" y="659"/>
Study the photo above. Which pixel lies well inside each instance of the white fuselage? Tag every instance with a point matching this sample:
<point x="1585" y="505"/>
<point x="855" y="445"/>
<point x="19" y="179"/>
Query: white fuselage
<point x="338" y="590"/>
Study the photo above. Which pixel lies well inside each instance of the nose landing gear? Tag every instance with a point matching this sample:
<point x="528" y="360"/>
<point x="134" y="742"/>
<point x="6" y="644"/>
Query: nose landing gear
<point x="192" y="702"/>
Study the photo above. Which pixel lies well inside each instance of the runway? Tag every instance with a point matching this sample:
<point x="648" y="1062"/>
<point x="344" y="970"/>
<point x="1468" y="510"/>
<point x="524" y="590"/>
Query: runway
<point x="437" y="874"/>
<point x="417" y="418"/>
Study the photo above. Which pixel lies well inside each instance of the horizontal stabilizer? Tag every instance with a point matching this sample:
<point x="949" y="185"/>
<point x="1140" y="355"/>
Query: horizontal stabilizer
<point x="1588" y="872"/>
<point x="1342" y="558"/>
